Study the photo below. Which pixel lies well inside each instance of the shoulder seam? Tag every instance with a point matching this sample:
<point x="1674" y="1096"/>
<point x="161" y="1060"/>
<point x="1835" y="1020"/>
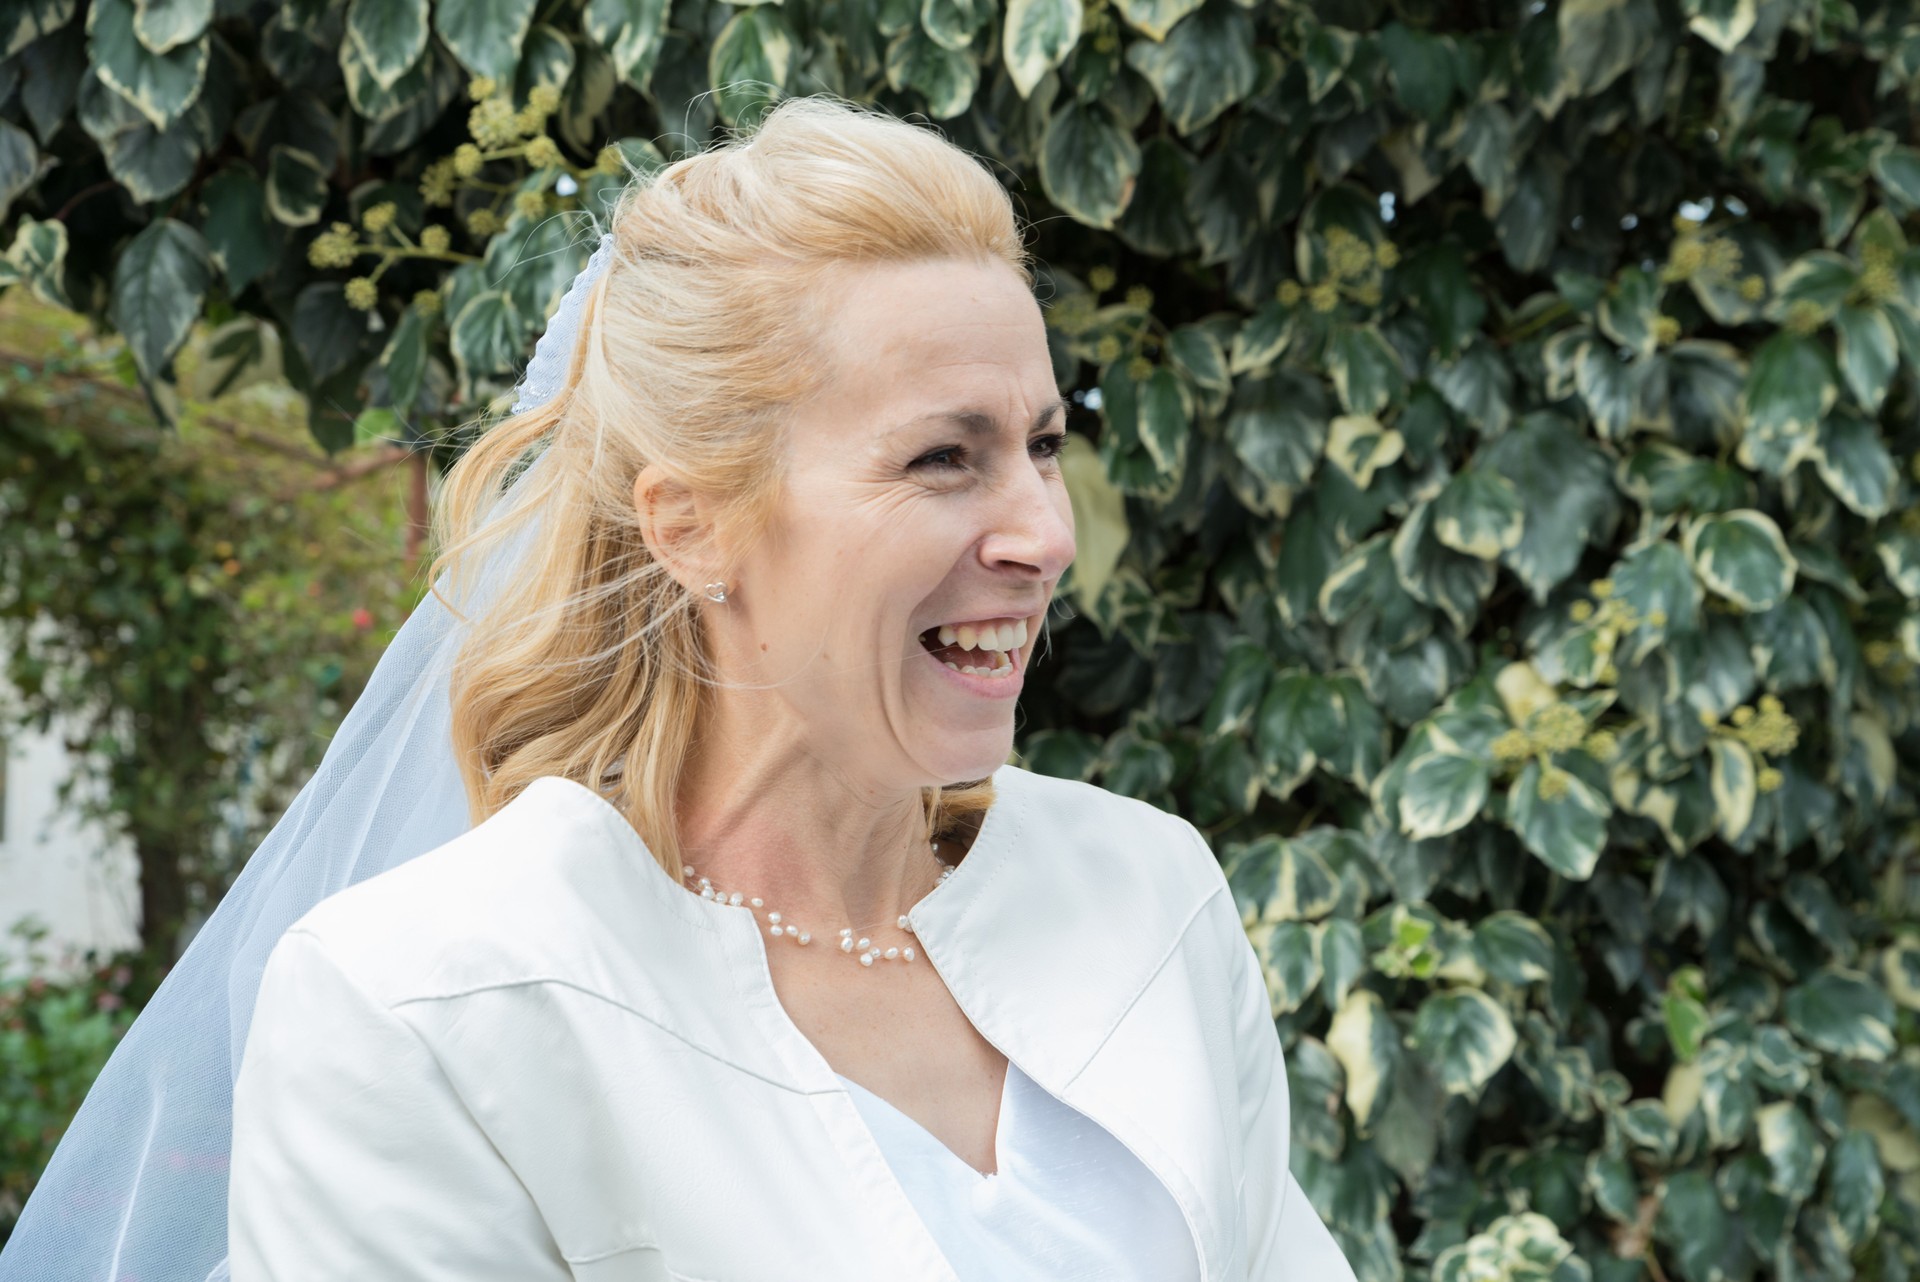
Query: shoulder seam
<point x="559" y="982"/>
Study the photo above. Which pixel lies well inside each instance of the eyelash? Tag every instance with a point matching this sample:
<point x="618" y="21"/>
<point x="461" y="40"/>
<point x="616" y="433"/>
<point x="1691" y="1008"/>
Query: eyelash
<point x="1054" y="441"/>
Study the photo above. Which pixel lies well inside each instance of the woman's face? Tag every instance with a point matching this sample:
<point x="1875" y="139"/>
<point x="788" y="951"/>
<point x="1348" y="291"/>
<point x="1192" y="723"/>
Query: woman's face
<point x="922" y="493"/>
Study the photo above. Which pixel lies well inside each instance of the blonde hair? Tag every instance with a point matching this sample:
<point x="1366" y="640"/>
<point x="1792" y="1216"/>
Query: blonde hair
<point x="697" y="341"/>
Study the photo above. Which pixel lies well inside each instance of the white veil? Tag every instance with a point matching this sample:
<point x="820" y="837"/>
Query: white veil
<point x="137" y="1188"/>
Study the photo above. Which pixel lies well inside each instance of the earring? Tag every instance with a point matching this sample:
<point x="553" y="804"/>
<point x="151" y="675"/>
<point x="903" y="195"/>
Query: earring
<point x="717" y="590"/>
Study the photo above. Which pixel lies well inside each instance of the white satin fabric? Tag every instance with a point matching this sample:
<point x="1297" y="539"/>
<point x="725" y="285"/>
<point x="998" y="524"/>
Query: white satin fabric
<point x="529" y="1054"/>
<point x="1066" y="1202"/>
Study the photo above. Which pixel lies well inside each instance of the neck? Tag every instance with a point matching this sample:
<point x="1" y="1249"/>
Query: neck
<point x="762" y="815"/>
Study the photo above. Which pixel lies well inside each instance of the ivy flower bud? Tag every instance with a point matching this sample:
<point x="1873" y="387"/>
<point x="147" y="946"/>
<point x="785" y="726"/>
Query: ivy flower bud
<point x="1101" y="279"/>
<point x="427" y="302"/>
<point x="362" y="293"/>
<point x="1769" y="779"/>
<point x="436" y="183"/>
<point x="467" y="160"/>
<point x="380" y="217"/>
<point x="436" y="239"/>
<point x="1553" y="784"/>
<point x="544" y="153"/>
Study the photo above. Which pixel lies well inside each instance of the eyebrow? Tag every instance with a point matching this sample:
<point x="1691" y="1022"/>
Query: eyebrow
<point x="979" y="422"/>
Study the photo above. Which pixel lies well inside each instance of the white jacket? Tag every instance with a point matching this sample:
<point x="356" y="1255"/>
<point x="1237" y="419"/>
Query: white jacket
<point x="529" y="1054"/>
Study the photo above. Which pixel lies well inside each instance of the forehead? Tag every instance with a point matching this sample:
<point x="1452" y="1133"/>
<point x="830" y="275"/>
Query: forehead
<point x="900" y="332"/>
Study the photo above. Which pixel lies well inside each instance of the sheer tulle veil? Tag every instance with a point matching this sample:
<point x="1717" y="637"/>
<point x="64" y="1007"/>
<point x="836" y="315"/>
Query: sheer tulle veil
<point x="137" y="1188"/>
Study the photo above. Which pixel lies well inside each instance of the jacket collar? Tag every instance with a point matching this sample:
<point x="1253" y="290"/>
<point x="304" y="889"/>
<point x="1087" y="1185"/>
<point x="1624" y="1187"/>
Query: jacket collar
<point x="1068" y="904"/>
<point x="1045" y="933"/>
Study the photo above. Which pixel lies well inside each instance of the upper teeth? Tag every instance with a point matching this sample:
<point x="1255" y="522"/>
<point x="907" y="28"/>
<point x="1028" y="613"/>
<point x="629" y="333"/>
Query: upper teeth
<point x="973" y="636"/>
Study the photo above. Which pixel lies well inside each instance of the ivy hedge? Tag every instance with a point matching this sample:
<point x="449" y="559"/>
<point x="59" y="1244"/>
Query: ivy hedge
<point x="1497" y="442"/>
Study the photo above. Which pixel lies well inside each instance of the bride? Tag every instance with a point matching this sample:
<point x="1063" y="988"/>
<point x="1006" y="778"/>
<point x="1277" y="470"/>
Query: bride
<point x="667" y="910"/>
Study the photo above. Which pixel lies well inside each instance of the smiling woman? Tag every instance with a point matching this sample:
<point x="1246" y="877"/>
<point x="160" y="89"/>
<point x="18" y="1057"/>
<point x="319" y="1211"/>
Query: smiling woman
<point x="731" y="622"/>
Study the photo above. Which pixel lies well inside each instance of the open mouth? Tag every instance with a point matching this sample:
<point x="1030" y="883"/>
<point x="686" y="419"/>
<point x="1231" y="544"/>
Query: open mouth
<point x="986" y="648"/>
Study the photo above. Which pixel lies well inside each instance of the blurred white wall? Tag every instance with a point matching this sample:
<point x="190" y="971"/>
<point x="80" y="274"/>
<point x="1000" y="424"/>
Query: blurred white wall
<point x="80" y="882"/>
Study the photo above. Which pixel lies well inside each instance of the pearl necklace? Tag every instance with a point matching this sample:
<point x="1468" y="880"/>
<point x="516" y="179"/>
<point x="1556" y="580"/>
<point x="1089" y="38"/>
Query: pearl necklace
<point x="777" y="926"/>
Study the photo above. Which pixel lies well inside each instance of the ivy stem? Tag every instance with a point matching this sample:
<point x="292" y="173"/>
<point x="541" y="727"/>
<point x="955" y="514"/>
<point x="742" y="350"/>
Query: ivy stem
<point x="1560" y="309"/>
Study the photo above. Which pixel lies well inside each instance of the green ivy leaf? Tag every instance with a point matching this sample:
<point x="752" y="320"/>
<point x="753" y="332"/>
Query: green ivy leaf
<point x="1204" y="65"/>
<point x="1367" y="1044"/>
<point x="485" y="35"/>
<point x="749" y="62"/>
<point x="632" y="32"/>
<point x="1514" y="948"/>
<point x="159" y="286"/>
<point x="1290" y="961"/>
<point x="159" y="85"/>
<point x="1089" y="162"/>
<point x="389" y="35"/>
<point x="1155" y="17"/>
<point x="946" y="78"/>
<point x="1442" y="793"/>
<point x="1856" y="464"/>
<point x="1465" y="1037"/>
<point x="1566" y="830"/>
<point x="1741" y="556"/>
<point x="1037" y="37"/>
<point x="1792" y="1147"/>
<point x="1843" y="1013"/>
<point x="1298" y="724"/>
<point x="1566" y="486"/>
<point x="1479" y="514"/>
<point x="296" y="186"/>
<point x="1790" y="387"/>
<point x="1366" y="371"/>
<point x="1868" y="354"/>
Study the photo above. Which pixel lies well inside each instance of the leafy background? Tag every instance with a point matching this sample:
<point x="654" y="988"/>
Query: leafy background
<point x="1497" y="442"/>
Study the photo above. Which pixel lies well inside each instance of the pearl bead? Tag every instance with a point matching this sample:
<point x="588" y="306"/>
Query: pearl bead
<point x="777" y="926"/>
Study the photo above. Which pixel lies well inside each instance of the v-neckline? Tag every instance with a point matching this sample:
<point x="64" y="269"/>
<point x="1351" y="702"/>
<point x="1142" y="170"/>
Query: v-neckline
<point x="999" y="1126"/>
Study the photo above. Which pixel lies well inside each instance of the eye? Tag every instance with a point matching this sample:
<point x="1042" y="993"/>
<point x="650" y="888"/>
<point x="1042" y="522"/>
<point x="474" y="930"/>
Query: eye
<point x="1050" y="445"/>
<point x="946" y="459"/>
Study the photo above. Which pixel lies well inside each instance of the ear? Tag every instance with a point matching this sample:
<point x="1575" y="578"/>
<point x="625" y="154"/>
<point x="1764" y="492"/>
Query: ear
<point x="674" y="526"/>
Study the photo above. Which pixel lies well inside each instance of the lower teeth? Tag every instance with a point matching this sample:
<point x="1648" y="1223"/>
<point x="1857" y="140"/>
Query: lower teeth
<point x="1000" y="671"/>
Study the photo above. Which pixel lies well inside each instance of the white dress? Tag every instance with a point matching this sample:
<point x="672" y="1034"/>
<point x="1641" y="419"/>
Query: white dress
<point x="1067" y="1201"/>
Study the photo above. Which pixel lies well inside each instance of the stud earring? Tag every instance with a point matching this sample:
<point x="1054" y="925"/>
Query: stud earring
<point x="717" y="590"/>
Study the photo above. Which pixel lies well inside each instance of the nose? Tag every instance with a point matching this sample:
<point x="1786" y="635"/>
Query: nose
<point x="1031" y="531"/>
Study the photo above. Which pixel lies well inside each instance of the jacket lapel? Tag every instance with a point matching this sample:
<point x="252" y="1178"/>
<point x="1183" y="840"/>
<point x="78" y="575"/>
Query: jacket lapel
<point x="1073" y="937"/>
